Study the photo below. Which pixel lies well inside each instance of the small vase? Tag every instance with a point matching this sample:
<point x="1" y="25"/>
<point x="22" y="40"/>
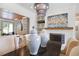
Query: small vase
<point x="44" y="38"/>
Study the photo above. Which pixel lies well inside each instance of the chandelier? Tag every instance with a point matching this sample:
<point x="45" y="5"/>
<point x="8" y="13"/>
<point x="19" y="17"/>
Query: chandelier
<point x="41" y="8"/>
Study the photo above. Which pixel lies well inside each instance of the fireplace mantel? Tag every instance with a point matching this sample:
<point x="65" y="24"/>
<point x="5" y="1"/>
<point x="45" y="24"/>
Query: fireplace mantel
<point x="59" y="28"/>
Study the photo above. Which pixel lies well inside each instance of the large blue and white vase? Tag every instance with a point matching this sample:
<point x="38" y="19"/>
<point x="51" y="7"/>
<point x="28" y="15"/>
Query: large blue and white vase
<point x="34" y="42"/>
<point x="44" y="38"/>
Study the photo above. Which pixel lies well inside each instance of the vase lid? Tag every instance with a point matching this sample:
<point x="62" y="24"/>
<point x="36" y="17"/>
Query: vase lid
<point x="33" y="31"/>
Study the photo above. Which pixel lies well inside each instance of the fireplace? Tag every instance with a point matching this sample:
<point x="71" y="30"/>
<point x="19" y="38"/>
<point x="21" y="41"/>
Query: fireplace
<point x="55" y="43"/>
<point x="57" y="37"/>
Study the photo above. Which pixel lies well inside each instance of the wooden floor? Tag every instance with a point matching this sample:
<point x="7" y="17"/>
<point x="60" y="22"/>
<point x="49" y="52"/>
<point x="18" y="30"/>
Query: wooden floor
<point x="20" y="52"/>
<point x="25" y="52"/>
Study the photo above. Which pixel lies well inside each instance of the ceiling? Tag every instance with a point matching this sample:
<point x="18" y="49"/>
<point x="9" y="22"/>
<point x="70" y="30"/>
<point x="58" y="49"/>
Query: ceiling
<point x="28" y="6"/>
<point x="52" y="6"/>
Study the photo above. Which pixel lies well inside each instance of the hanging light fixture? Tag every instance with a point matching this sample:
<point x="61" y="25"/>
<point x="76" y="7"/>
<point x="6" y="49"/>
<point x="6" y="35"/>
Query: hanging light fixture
<point x="41" y="8"/>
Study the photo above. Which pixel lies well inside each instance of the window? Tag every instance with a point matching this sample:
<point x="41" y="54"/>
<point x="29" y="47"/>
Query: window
<point x="7" y="28"/>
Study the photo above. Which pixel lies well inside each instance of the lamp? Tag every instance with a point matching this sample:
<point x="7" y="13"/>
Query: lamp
<point x="41" y="8"/>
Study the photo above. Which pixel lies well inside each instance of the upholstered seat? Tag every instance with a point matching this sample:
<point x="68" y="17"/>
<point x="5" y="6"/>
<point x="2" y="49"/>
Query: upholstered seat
<point x="70" y="44"/>
<point x="75" y="51"/>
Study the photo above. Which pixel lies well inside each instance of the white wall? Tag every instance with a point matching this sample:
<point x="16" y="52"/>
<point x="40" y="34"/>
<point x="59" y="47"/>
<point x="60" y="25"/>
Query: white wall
<point x="57" y="8"/>
<point x="77" y="21"/>
<point x="20" y="10"/>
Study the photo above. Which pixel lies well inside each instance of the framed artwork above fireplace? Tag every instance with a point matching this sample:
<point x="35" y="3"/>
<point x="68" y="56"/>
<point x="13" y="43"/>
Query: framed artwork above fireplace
<point x="60" y="20"/>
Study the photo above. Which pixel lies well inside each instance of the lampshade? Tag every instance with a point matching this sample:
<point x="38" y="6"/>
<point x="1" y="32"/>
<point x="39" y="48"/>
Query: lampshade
<point x="41" y="8"/>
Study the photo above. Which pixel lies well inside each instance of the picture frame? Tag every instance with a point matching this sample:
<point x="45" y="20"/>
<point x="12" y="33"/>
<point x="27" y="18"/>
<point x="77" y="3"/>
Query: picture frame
<point x="60" y="20"/>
